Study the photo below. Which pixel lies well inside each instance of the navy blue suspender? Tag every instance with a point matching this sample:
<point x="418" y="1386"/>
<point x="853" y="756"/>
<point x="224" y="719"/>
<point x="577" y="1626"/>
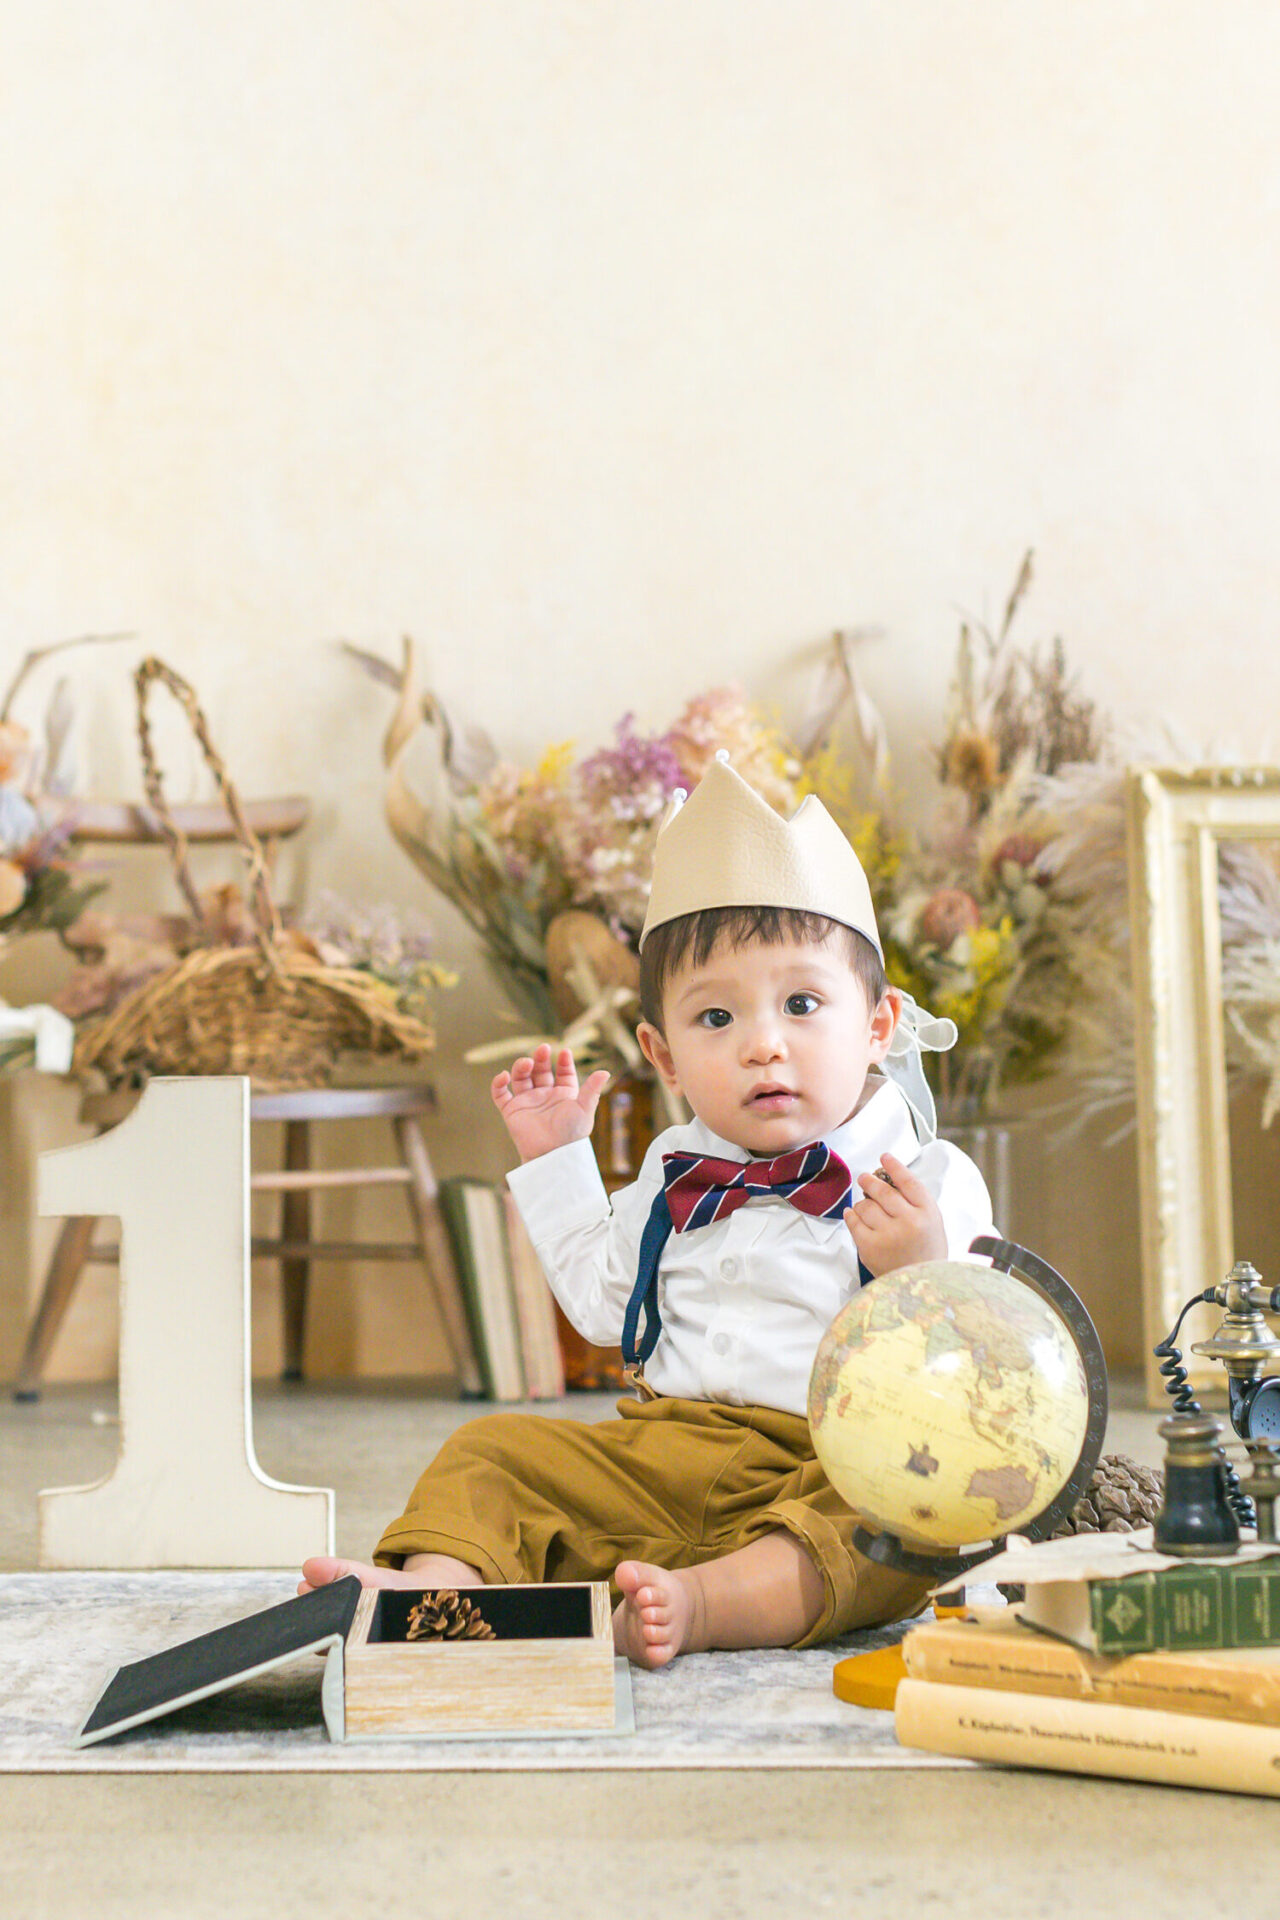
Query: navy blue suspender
<point x="644" y="1294"/>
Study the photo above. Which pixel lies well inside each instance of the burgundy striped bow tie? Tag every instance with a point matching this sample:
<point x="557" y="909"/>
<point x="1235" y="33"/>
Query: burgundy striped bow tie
<point x="701" y="1189"/>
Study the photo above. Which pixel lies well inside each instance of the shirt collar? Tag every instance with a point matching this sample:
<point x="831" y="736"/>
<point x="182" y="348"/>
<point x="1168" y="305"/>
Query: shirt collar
<point x="882" y="1124"/>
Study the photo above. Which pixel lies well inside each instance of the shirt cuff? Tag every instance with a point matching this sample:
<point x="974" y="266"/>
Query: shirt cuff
<point x="559" y="1191"/>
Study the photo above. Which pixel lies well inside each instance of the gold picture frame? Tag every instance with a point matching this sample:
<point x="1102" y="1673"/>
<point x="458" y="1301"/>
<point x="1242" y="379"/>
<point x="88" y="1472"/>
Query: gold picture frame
<point x="1176" y="821"/>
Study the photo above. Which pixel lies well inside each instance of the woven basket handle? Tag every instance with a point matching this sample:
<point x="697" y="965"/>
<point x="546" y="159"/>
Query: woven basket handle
<point x="262" y="905"/>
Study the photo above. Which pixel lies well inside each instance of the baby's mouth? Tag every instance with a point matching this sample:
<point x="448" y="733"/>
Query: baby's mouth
<point x="772" y="1099"/>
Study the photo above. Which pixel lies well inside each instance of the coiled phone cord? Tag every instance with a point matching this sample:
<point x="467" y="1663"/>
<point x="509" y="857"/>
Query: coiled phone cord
<point x="1178" y="1387"/>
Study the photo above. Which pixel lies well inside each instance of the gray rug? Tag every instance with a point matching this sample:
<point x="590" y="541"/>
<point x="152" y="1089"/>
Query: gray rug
<point x="62" y="1634"/>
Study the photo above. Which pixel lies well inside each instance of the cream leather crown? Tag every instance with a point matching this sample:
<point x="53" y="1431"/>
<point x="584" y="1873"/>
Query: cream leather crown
<point x="726" y="847"/>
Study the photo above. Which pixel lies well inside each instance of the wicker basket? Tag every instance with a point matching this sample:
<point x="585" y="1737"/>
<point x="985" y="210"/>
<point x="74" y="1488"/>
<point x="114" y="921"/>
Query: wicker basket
<point x="270" y="1010"/>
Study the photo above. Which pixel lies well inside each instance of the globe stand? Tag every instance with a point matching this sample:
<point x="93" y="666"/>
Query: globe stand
<point x="887" y="1550"/>
<point x="869" y="1679"/>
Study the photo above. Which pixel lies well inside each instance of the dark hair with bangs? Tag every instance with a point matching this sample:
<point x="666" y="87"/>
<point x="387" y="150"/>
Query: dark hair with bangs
<point x="693" y="937"/>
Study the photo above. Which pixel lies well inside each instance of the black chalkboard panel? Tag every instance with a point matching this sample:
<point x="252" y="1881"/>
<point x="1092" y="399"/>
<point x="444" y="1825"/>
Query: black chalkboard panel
<point x="159" y="1684"/>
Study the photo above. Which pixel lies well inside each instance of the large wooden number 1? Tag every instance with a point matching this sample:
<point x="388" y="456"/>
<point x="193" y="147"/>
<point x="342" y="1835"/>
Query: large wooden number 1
<point x="187" y="1490"/>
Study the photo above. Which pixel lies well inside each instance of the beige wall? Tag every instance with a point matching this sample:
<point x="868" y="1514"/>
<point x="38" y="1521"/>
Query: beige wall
<point x="614" y="350"/>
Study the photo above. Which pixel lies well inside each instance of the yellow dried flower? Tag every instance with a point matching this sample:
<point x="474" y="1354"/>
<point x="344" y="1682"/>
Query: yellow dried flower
<point x="971" y="761"/>
<point x="553" y="766"/>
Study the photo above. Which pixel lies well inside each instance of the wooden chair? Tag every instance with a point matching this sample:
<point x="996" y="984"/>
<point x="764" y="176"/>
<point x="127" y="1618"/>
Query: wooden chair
<point x="120" y="823"/>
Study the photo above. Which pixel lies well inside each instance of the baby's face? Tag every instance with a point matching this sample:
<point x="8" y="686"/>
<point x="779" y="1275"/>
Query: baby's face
<point x="770" y="1045"/>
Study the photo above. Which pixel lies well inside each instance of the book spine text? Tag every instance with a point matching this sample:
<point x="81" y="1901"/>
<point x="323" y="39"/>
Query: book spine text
<point x="1079" y="1736"/>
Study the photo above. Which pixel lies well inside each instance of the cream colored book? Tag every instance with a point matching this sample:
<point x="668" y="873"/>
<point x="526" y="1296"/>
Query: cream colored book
<point x="1086" y="1736"/>
<point x="993" y="1648"/>
<point x="535" y="1309"/>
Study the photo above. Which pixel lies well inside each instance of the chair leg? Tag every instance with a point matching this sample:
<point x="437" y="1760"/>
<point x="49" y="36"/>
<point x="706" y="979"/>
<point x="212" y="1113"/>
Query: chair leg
<point x="60" y="1283"/>
<point x="295" y="1269"/>
<point x="437" y="1254"/>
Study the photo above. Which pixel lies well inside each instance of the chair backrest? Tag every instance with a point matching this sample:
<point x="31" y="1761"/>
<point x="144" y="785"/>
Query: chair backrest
<point x="133" y="823"/>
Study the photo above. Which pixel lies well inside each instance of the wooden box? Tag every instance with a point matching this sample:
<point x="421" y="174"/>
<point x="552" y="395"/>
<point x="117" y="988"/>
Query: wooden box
<point x="550" y="1667"/>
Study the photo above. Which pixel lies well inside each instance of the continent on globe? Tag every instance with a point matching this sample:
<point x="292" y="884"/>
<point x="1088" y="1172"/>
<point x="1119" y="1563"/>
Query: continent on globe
<point x="1012" y="1488"/>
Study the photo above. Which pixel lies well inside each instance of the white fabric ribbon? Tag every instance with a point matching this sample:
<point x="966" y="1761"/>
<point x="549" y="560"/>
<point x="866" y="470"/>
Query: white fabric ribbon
<point x="53" y="1033"/>
<point x="918" y="1031"/>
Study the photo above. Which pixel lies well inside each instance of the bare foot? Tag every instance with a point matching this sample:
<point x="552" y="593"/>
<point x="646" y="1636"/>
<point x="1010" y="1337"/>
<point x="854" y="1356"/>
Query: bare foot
<point x="420" y="1570"/>
<point x="658" y="1615"/>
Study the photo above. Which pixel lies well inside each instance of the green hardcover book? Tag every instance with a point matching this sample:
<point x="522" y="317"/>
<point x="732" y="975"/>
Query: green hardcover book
<point x="1180" y="1608"/>
<point x="454" y="1208"/>
<point x="477" y="1227"/>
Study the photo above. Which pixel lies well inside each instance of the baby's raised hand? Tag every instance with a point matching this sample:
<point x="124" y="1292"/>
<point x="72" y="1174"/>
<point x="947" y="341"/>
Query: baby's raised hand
<point x="542" y="1103"/>
<point x="897" y="1221"/>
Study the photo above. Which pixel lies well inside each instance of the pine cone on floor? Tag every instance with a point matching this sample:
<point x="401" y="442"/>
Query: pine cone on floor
<point x="447" y="1615"/>
<point x="1121" y="1496"/>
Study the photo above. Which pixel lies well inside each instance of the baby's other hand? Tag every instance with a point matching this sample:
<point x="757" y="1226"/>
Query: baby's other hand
<point x="897" y="1221"/>
<point x="542" y="1103"/>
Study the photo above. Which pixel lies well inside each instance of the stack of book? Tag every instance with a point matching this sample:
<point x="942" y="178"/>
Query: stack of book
<point x="1118" y="1661"/>
<point x="509" y="1304"/>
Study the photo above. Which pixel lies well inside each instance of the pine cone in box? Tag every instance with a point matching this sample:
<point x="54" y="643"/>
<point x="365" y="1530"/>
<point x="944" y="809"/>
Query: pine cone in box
<point x="447" y="1615"/>
<point x="1121" y="1496"/>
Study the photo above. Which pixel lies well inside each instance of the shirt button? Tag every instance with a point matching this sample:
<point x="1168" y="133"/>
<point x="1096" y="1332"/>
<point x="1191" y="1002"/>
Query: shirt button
<point x="721" y="1343"/>
<point x="729" y="1267"/>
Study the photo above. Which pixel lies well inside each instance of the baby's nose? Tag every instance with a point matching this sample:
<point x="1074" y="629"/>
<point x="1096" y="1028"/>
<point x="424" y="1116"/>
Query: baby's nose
<point x="764" y="1041"/>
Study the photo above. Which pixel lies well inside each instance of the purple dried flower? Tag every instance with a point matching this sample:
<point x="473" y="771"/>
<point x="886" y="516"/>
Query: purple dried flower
<point x="636" y="766"/>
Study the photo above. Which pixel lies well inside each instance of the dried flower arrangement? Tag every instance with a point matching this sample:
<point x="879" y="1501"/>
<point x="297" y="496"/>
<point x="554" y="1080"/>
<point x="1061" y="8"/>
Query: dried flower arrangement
<point x="972" y="921"/>
<point x="1087" y="867"/>
<point x="233" y="985"/>
<point x="550" y="864"/>
<point x="40" y="888"/>
<point x="1009" y="909"/>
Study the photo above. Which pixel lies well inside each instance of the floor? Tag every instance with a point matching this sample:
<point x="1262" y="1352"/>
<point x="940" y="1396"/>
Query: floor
<point x="713" y="1845"/>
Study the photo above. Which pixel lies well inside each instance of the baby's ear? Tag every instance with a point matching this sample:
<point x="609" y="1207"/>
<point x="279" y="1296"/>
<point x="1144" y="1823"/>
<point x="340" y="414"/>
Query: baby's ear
<point x="656" y="1051"/>
<point x="884" y="1022"/>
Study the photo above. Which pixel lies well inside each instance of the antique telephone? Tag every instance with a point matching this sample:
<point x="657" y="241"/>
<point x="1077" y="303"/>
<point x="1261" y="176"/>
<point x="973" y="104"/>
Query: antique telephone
<point x="1206" y="1503"/>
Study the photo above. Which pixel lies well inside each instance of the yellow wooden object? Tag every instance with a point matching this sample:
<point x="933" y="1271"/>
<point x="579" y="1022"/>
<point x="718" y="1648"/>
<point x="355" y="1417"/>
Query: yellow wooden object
<point x="869" y="1679"/>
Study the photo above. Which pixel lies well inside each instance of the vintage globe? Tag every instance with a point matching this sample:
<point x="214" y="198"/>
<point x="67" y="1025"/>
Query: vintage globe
<point x="948" y="1404"/>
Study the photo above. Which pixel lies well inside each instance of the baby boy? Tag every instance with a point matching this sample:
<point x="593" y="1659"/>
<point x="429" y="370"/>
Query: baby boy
<point x="804" y="1173"/>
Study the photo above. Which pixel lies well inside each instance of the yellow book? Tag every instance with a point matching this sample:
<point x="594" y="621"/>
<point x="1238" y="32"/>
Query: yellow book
<point x="1088" y="1736"/>
<point x="992" y="1648"/>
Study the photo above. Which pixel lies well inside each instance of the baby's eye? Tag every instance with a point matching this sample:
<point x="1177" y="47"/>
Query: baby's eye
<point x="802" y="1003"/>
<point x="714" y="1017"/>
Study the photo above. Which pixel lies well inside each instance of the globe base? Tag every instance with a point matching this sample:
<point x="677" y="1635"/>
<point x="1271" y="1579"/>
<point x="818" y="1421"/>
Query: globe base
<point x="887" y="1550"/>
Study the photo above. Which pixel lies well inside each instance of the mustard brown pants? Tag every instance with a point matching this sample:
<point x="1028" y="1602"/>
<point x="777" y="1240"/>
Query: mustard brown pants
<point x="672" y="1482"/>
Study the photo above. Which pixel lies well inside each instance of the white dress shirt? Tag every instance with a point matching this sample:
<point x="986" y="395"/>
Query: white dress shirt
<point x="744" y="1301"/>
